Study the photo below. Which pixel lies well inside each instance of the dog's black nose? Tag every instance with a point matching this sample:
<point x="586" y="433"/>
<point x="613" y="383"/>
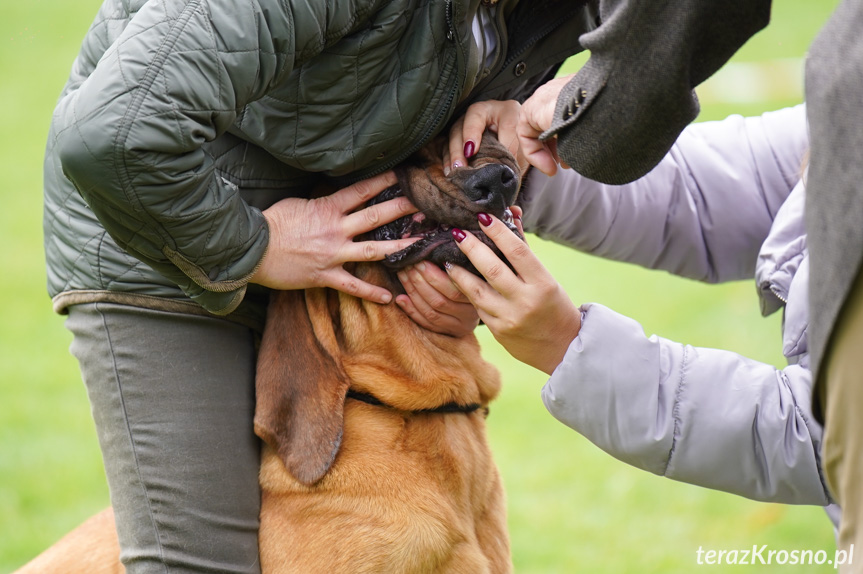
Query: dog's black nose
<point x="494" y="185"/>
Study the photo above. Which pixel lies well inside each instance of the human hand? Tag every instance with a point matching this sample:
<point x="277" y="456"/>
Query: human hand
<point x="310" y="239"/>
<point x="528" y="312"/>
<point x="434" y="303"/>
<point x="501" y="117"/>
<point x="536" y="116"/>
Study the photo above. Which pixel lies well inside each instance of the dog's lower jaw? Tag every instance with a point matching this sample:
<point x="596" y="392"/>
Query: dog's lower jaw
<point x="439" y="247"/>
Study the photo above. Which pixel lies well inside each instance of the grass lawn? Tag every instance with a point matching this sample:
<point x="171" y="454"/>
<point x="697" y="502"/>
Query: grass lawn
<point x="571" y="507"/>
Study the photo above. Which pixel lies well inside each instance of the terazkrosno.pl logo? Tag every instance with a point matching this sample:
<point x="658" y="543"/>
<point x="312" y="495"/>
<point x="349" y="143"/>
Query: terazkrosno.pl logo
<point x="758" y="555"/>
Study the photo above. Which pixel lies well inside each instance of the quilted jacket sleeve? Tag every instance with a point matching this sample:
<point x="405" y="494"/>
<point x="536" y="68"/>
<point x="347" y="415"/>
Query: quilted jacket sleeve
<point x="703" y="416"/>
<point x="702" y="213"/>
<point x="130" y="136"/>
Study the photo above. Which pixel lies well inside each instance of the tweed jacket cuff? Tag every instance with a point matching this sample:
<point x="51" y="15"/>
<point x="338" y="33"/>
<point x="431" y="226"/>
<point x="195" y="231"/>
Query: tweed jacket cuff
<point x="621" y="113"/>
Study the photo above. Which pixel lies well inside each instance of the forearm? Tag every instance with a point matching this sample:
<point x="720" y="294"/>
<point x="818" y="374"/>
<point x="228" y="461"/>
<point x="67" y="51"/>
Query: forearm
<point x="702" y="416"/>
<point x="702" y="213"/>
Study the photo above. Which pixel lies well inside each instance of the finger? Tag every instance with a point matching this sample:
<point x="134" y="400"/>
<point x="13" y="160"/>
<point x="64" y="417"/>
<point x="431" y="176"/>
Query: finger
<point x="454" y="156"/>
<point x="373" y="250"/>
<point x="536" y="152"/>
<point x="349" y="198"/>
<point x="516" y="251"/>
<point x="560" y="162"/>
<point x="425" y="305"/>
<point x="536" y="117"/>
<point x="519" y="225"/>
<point x="430" y="309"/>
<point x="341" y="280"/>
<point x="498" y="275"/>
<point x="438" y="279"/>
<point x="406" y="305"/>
<point x="481" y="295"/>
<point x="446" y="324"/>
<point x="478" y="118"/>
<point x="551" y="144"/>
<point x="374" y="216"/>
<point x="505" y="124"/>
<point x="428" y="299"/>
<point x="517" y="213"/>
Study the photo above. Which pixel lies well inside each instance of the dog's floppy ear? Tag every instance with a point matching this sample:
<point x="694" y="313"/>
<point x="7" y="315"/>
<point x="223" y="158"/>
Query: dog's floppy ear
<point x="301" y="390"/>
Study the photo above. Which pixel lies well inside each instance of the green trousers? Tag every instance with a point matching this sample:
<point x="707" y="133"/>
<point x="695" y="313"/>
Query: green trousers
<point x="172" y="397"/>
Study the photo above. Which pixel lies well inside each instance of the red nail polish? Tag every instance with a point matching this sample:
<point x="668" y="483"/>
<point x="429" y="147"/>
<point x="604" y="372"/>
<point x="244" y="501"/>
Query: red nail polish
<point x="458" y="235"/>
<point x="469" y="148"/>
<point x="484" y="218"/>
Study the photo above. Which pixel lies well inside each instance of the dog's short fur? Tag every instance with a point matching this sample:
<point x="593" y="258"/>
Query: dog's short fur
<point x="375" y="456"/>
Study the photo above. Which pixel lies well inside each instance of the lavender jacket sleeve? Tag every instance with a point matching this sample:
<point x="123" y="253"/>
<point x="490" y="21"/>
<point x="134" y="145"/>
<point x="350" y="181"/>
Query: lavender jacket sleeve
<point x="703" y="416"/>
<point x="702" y="213"/>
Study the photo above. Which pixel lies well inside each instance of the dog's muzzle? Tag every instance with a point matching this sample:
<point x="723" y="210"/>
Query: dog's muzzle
<point x="435" y="243"/>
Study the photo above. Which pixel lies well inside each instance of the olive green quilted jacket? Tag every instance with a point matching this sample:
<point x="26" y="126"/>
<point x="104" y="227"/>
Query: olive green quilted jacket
<point x="181" y="120"/>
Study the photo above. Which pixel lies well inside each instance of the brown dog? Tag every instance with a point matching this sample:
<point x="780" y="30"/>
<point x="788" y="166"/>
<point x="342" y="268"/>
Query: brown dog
<point x="375" y="456"/>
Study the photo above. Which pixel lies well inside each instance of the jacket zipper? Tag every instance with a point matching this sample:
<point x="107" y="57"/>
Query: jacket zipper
<point x="441" y="113"/>
<point x="779" y="296"/>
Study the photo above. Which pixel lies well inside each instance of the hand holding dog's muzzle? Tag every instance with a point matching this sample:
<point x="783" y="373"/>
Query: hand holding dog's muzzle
<point x="310" y="240"/>
<point x="434" y="303"/>
<point x="523" y="306"/>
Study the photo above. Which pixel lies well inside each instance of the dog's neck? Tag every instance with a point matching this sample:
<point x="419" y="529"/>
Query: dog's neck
<point x="320" y="344"/>
<point x="429" y="369"/>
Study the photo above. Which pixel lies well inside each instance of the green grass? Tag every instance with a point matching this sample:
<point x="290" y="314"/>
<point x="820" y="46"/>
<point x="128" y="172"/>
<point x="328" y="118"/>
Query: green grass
<point x="571" y="507"/>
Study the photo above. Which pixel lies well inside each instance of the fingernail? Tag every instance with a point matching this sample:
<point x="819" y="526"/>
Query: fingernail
<point x="458" y="235"/>
<point x="456" y="164"/>
<point x="420" y="266"/>
<point x="484" y="219"/>
<point x="469" y="148"/>
<point x="446" y="170"/>
<point x="386" y="298"/>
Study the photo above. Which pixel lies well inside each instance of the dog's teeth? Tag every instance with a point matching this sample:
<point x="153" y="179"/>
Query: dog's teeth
<point x="507" y="216"/>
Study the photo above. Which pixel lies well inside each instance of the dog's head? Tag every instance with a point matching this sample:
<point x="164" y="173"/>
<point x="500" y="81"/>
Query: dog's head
<point x="318" y="343"/>
<point x="489" y="183"/>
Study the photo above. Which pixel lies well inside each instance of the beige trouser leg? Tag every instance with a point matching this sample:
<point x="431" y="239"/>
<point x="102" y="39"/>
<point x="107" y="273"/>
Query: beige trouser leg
<point x="841" y="392"/>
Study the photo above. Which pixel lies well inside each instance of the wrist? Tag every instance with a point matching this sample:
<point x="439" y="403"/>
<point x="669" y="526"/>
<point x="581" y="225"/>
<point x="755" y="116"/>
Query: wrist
<point x="257" y="273"/>
<point x="559" y="346"/>
<point x="261" y="274"/>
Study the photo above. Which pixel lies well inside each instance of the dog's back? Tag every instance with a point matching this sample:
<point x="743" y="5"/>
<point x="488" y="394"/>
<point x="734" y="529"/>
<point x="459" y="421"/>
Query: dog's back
<point x="91" y="548"/>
